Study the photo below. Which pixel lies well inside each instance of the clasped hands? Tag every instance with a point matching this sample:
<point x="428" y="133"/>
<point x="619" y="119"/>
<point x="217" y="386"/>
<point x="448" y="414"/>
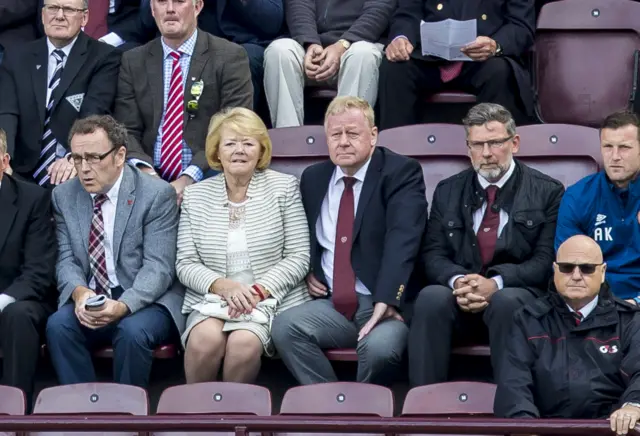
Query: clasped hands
<point x="473" y="292"/>
<point x="111" y="312"/>
<point x="481" y="49"/>
<point x="241" y="298"/>
<point x="321" y="64"/>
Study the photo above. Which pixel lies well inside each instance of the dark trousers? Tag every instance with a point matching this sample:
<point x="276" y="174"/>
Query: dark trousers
<point x="256" y="59"/>
<point x="404" y="85"/>
<point x="437" y="316"/>
<point x="21" y="325"/>
<point x="133" y="339"/>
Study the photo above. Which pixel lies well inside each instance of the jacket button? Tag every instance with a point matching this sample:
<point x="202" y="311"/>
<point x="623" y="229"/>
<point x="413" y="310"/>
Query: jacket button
<point x="484" y="17"/>
<point x="529" y="223"/>
<point x="450" y="223"/>
<point x="451" y="235"/>
<point x="439" y="7"/>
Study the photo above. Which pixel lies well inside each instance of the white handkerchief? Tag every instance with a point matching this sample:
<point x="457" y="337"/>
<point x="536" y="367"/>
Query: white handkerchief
<point x="76" y="101"/>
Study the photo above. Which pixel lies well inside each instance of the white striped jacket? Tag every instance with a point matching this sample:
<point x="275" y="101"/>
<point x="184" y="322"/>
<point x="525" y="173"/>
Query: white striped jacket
<point x="277" y="237"/>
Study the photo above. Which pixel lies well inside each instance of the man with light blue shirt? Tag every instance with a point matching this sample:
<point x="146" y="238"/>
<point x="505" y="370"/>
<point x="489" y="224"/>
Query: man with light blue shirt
<point x="169" y="88"/>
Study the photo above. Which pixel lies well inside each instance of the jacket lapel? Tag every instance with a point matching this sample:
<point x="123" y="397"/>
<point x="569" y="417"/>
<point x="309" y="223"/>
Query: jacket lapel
<point x="9" y="209"/>
<point x="198" y="62"/>
<point x="218" y="212"/>
<point x="254" y="210"/>
<point x="39" y="70"/>
<point x="85" y="214"/>
<point x="126" y="201"/>
<point x="76" y="60"/>
<point x="319" y="187"/>
<point x="155" y="76"/>
<point x="370" y="183"/>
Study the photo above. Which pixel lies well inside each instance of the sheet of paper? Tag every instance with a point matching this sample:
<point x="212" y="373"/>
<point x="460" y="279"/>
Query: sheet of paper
<point x="444" y="39"/>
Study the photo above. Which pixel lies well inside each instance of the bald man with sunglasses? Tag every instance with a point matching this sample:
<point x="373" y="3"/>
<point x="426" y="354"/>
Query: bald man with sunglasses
<point x="574" y="353"/>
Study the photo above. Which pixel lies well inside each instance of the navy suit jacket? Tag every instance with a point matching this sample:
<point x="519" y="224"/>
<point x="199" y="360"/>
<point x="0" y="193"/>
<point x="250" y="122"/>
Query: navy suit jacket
<point x="390" y="221"/>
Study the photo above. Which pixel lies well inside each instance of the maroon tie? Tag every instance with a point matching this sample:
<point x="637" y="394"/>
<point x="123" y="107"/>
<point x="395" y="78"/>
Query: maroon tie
<point x="578" y="317"/>
<point x="97" y="25"/>
<point x="488" y="231"/>
<point x="344" y="279"/>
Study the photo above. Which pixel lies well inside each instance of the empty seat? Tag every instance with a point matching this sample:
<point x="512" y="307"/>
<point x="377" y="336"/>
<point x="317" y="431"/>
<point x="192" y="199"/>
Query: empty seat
<point x="337" y="399"/>
<point x="441" y="149"/>
<point x="578" y="75"/>
<point x="565" y="152"/>
<point x="92" y="399"/>
<point x="447" y="399"/>
<point x="295" y="148"/>
<point x="12" y="402"/>
<point x="214" y="398"/>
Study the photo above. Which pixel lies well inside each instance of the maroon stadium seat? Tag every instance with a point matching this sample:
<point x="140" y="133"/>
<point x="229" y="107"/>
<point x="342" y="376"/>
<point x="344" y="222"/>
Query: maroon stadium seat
<point x="440" y="148"/>
<point x="565" y="152"/>
<point x="12" y="402"/>
<point x="447" y="399"/>
<point x="579" y="77"/>
<point x="295" y="148"/>
<point x="214" y="398"/>
<point x="342" y="355"/>
<point x="337" y="399"/>
<point x="451" y="97"/>
<point x="92" y="399"/>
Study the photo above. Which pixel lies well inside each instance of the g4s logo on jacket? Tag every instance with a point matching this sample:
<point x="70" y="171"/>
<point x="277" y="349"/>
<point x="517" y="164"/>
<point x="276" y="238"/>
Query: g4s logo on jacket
<point x="608" y="349"/>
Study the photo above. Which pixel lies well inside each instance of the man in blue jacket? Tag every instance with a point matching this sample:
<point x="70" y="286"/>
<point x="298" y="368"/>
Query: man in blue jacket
<point x="606" y="205"/>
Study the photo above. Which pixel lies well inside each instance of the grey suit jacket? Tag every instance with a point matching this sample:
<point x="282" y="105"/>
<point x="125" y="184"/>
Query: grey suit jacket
<point x="222" y="66"/>
<point x="144" y="241"/>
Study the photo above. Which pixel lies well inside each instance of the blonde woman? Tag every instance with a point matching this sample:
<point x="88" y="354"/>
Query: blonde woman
<point x="243" y="252"/>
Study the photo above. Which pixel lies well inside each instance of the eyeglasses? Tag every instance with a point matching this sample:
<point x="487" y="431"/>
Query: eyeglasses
<point x="66" y="10"/>
<point x="493" y="143"/>
<point x="585" y="268"/>
<point x="89" y="158"/>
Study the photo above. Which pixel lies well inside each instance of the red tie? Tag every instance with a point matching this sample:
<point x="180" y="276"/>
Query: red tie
<point x="344" y="279"/>
<point x="450" y="71"/>
<point x="97" y="25"/>
<point x="488" y="231"/>
<point x="578" y="316"/>
<point x="171" y="154"/>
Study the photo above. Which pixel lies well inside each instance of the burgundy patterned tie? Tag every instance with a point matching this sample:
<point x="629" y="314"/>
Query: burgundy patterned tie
<point x="344" y="278"/>
<point x="488" y="231"/>
<point x="450" y="71"/>
<point x="172" y="128"/>
<point x="578" y="317"/>
<point x="97" y="257"/>
<point x="97" y="25"/>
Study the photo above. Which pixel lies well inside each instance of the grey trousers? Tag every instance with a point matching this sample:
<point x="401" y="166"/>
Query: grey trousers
<point x="284" y="78"/>
<point x="302" y="332"/>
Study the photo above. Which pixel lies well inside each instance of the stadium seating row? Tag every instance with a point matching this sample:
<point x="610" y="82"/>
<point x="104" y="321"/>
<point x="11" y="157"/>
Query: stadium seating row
<point x="343" y="398"/>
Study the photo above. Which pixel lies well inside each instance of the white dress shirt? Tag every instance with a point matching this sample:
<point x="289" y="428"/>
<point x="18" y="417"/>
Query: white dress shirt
<point x="478" y="215"/>
<point x="587" y="309"/>
<point x="5" y="299"/>
<point x="109" y="217"/>
<point x="328" y="220"/>
<point x="51" y="66"/>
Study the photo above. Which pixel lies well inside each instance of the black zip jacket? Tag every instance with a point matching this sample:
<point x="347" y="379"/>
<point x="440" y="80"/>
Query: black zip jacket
<point x="557" y="369"/>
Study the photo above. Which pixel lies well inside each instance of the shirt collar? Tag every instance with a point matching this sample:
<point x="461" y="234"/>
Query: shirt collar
<point x="186" y="48"/>
<point x="66" y="49"/>
<point x="338" y="174"/>
<point x="112" y="194"/>
<point x="484" y="183"/>
<point x="587" y="309"/>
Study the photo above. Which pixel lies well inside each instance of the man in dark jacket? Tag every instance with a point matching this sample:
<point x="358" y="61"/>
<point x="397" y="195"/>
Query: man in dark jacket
<point x="332" y="43"/>
<point x="488" y="248"/>
<point x="574" y="353"/>
<point x="496" y="71"/>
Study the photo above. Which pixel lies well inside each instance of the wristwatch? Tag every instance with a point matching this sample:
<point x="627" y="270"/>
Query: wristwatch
<point x="346" y="44"/>
<point x="498" y="50"/>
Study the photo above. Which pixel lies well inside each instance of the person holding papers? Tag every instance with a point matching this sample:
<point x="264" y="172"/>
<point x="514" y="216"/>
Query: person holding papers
<point x="492" y="66"/>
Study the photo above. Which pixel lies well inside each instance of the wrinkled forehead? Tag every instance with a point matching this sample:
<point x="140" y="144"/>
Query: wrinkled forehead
<point x="578" y="255"/>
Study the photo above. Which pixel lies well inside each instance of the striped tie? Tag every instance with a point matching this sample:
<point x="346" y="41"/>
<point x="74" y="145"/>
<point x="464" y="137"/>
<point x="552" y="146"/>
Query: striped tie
<point x="171" y="153"/>
<point x="49" y="143"/>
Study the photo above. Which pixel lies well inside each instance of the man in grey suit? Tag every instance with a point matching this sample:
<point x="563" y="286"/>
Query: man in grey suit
<point x="117" y="231"/>
<point x="169" y="89"/>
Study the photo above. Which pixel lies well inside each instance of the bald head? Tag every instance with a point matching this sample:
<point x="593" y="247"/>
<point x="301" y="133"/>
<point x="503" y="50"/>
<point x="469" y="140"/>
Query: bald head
<point x="579" y="270"/>
<point x="579" y="249"/>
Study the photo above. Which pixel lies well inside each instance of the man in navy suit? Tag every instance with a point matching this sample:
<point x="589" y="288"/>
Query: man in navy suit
<point x="367" y="211"/>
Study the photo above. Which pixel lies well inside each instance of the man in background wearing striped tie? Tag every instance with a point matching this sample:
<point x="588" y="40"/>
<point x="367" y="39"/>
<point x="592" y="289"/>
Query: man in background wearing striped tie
<point x="47" y="85"/>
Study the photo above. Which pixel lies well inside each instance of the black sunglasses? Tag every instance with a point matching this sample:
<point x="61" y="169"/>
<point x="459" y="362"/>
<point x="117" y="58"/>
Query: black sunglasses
<point x="585" y="268"/>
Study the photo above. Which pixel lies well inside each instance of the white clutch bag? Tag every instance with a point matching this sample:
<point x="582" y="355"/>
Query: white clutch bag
<point x="216" y="307"/>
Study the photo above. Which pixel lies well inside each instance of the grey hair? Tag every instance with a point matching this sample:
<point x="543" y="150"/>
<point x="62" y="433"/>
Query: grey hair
<point x="484" y="113"/>
<point x="85" y="4"/>
<point x="3" y="142"/>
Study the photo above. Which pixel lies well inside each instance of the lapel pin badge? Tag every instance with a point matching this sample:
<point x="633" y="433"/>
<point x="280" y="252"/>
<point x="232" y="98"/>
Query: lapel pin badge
<point x="38" y="67"/>
<point x="129" y="202"/>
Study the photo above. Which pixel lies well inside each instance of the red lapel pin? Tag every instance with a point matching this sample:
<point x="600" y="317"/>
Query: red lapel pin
<point x="129" y="202"/>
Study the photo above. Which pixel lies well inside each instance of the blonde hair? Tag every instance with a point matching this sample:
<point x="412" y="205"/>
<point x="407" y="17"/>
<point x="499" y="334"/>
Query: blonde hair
<point x="3" y="142"/>
<point x="243" y="122"/>
<point x="342" y="104"/>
